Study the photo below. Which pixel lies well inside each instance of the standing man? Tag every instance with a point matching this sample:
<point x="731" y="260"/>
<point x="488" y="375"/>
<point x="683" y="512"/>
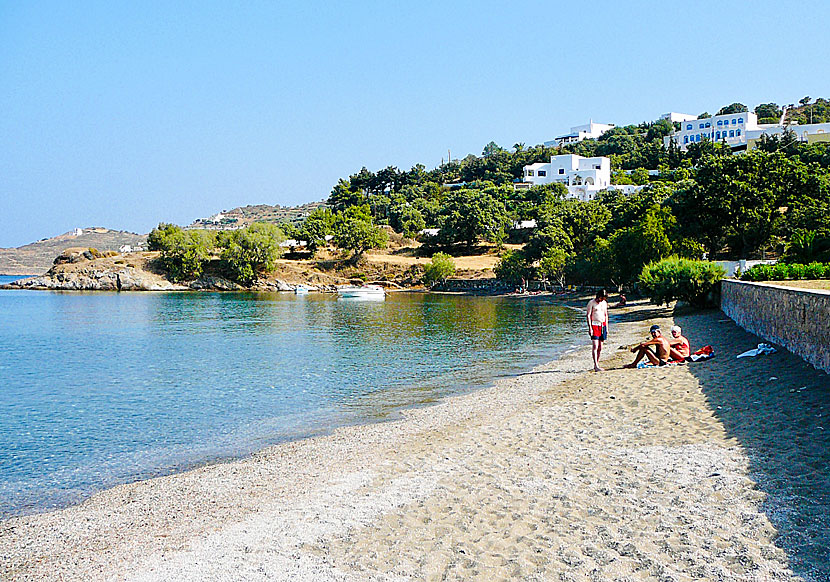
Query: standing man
<point x="597" y="316"/>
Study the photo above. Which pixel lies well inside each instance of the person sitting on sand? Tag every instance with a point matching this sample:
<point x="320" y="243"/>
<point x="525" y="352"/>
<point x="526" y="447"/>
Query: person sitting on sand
<point x="659" y="356"/>
<point x="597" y="315"/>
<point x="621" y="302"/>
<point x="679" y="348"/>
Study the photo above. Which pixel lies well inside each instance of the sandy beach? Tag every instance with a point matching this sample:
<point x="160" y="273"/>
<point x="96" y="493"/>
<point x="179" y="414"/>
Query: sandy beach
<point x="716" y="470"/>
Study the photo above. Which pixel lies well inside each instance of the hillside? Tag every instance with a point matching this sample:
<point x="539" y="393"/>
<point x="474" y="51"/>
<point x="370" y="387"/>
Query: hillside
<point x="37" y="257"/>
<point x="247" y="215"/>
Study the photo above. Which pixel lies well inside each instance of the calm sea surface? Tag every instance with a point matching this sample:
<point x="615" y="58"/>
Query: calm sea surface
<point x="98" y="389"/>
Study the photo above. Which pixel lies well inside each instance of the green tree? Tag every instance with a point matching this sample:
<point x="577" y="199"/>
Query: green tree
<point x="492" y="149"/>
<point x="344" y="195"/>
<point x="646" y="241"/>
<point x="355" y="231"/>
<point x="640" y="176"/>
<point x="440" y="268"/>
<point x="513" y="267"/>
<point x="768" y="111"/>
<point x="735" y="200"/>
<point x="316" y="227"/>
<point x="405" y="218"/>
<point x="182" y="253"/>
<point x="552" y="265"/>
<point x="733" y="108"/>
<point x="472" y="214"/>
<point x="250" y="251"/>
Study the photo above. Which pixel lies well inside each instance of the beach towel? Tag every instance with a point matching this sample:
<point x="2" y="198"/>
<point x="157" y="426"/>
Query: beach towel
<point x="669" y="363"/>
<point x="703" y="353"/>
<point x="761" y="349"/>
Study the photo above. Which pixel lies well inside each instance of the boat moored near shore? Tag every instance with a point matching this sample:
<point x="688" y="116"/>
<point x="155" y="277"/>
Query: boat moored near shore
<point x="361" y="292"/>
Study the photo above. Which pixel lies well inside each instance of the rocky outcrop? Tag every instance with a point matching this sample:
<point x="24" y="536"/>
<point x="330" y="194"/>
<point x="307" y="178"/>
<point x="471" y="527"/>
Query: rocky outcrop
<point x="210" y="283"/>
<point x="95" y="279"/>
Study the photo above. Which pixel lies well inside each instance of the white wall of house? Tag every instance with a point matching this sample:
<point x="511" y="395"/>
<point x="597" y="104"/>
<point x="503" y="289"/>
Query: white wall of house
<point x="731" y="128"/>
<point x="674" y="116"/>
<point x="583" y="177"/>
<point x="590" y="130"/>
<point x="802" y="132"/>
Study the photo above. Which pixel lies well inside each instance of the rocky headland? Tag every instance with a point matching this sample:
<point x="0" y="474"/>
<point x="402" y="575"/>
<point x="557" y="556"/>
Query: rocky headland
<point x="84" y="269"/>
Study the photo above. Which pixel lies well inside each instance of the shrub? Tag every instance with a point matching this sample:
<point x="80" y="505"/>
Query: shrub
<point x="248" y="251"/>
<point x="816" y="271"/>
<point x="797" y="271"/>
<point x="439" y="269"/>
<point x="684" y="279"/>
<point x="782" y="272"/>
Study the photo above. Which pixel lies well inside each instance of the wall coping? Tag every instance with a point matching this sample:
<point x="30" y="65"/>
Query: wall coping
<point x="787" y="288"/>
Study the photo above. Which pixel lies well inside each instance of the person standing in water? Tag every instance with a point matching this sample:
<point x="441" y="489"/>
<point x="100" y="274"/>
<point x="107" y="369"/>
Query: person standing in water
<point x="597" y="316"/>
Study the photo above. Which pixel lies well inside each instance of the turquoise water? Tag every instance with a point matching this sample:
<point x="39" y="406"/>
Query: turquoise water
<point x="105" y="388"/>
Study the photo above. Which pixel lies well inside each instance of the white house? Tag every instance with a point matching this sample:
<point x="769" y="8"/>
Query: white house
<point x="731" y="128"/>
<point x="590" y="130"/>
<point x="584" y="177"/>
<point x="809" y="133"/>
<point x="678" y="117"/>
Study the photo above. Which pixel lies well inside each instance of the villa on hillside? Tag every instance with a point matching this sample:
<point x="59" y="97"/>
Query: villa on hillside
<point x="590" y="130"/>
<point x="738" y="130"/>
<point x="583" y="177"/>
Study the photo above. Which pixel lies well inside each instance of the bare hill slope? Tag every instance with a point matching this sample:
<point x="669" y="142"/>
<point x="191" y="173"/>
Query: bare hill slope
<point x="37" y="257"/>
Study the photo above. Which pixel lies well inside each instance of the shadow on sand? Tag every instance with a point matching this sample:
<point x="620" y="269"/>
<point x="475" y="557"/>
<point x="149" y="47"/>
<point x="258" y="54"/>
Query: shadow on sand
<point x="778" y="407"/>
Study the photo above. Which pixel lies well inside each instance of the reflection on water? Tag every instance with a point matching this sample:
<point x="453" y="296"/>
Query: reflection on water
<point x="102" y="388"/>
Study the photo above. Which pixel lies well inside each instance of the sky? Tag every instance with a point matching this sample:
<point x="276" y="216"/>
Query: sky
<point x="127" y="114"/>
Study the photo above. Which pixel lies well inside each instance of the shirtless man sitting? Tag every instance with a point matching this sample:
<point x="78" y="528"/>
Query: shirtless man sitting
<point x="658" y="356"/>
<point x="679" y="348"/>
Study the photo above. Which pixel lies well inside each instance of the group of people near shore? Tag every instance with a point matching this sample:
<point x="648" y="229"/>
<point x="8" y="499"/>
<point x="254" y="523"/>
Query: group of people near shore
<point x="659" y="350"/>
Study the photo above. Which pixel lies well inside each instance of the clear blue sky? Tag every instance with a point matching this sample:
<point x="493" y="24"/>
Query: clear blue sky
<point x="124" y="114"/>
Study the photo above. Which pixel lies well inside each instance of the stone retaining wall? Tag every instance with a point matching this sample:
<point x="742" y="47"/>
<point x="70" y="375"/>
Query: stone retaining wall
<point x="798" y="319"/>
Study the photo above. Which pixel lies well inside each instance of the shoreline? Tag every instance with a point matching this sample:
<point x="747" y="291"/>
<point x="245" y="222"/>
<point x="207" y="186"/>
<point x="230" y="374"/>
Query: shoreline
<point x="28" y="505"/>
<point x="393" y="499"/>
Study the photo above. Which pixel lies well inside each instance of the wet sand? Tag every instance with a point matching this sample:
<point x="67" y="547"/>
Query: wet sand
<point x="717" y="470"/>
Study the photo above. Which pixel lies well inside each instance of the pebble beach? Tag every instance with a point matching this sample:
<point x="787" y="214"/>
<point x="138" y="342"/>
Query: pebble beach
<point x="715" y="470"/>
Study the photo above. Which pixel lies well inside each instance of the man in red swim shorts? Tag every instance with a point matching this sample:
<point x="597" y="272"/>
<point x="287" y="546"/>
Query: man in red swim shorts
<point x="597" y="316"/>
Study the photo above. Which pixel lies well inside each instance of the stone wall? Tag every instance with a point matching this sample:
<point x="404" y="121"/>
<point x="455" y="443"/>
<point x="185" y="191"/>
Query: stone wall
<point x="798" y="319"/>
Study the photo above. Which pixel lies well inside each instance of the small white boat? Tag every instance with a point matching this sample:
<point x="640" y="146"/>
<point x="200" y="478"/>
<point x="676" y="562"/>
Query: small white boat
<point x="301" y="290"/>
<point x="361" y="292"/>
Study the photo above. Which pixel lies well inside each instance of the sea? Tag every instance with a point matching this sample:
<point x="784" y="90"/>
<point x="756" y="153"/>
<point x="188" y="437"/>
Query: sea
<point x="100" y="388"/>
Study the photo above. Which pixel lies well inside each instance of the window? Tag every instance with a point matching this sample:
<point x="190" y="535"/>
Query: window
<point x="738" y="132"/>
<point x="708" y="124"/>
<point x="717" y="135"/>
<point x="685" y="139"/>
<point x="731" y="133"/>
<point x="688" y="126"/>
<point x="734" y="121"/>
<point x="561" y="170"/>
<point x="700" y="126"/>
<point x="720" y="121"/>
<point x="740" y="120"/>
<point x="541" y="173"/>
<point x="530" y="172"/>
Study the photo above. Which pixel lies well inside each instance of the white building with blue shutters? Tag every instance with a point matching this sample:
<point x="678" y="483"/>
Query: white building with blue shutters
<point x="731" y="128"/>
